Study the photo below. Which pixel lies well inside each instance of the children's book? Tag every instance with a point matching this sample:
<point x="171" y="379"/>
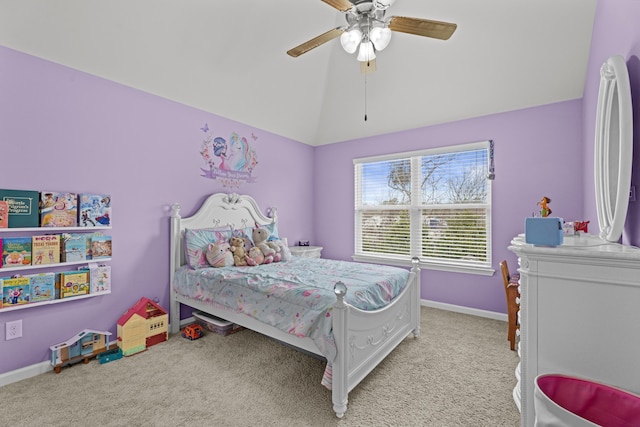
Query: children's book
<point x="100" y="276"/>
<point x="58" y="209"/>
<point x="45" y="249"/>
<point x="4" y="214"/>
<point x="100" y="247"/>
<point x="74" y="283"/>
<point x="94" y="210"/>
<point x="22" y="207"/>
<point x="16" y="251"/>
<point x="74" y="247"/>
<point x="15" y="291"/>
<point x="43" y="286"/>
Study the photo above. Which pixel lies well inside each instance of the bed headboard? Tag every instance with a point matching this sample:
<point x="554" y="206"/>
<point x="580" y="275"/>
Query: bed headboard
<point x="218" y="210"/>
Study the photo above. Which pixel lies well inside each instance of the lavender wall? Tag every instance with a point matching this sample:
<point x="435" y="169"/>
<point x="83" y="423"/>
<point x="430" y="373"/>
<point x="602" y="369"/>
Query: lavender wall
<point x="536" y="154"/>
<point x="68" y="131"/>
<point x="615" y="32"/>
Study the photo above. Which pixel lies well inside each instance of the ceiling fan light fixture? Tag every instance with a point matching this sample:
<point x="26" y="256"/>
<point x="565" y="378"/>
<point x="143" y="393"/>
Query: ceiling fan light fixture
<point x="366" y="52"/>
<point x="380" y="37"/>
<point x="350" y="40"/>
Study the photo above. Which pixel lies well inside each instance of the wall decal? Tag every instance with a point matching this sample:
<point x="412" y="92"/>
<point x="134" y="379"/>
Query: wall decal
<point x="231" y="161"/>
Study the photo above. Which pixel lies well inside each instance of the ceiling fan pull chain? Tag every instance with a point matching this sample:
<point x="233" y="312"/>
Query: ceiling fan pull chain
<point x="365" y="97"/>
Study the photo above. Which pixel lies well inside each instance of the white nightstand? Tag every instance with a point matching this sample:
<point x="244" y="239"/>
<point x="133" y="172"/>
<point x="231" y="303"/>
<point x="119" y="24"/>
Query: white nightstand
<point x="306" y="251"/>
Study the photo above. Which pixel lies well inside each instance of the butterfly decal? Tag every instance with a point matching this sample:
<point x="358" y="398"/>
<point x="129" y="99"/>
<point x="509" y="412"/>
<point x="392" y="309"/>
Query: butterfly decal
<point x="205" y="129"/>
<point x="253" y="136"/>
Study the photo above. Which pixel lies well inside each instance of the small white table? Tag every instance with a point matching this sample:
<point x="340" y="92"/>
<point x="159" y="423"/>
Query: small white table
<point x="306" y="251"/>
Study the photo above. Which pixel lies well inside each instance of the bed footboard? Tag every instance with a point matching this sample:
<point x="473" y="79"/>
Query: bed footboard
<point x="364" y="338"/>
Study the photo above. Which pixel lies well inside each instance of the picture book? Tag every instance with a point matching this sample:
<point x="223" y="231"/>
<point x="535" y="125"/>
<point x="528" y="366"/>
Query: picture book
<point x="22" y="207"/>
<point x="94" y="210"/>
<point x="100" y="276"/>
<point x="100" y="247"/>
<point x="58" y="209"/>
<point x="45" y="249"/>
<point x="16" y="251"/>
<point x="74" y="247"/>
<point x="74" y="283"/>
<point x="43" y="286"/>
<point x="15" y="291"/>
<point x="4" y="214"/>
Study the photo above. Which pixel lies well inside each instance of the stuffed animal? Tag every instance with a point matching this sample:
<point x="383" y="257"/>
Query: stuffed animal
<point x="285" y="252"/>
<point x="256" y="257"/>
<point x="260" y="239"/>
<point x="219" y="255"/>
<point x="239" y="252"/>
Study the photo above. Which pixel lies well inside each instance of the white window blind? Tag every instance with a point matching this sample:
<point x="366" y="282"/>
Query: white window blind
<point x="434" y="204"/>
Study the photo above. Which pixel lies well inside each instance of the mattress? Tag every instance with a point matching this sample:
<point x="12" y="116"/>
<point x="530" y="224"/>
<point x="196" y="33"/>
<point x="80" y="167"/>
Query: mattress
<point x="295" y="296"/>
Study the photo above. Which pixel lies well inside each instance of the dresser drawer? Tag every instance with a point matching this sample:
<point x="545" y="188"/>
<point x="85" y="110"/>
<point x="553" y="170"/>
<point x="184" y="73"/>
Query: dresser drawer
<point x="306" y="251"/>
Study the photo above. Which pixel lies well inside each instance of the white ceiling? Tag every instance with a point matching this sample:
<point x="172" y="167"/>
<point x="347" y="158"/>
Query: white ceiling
<point x="229" y="58"/>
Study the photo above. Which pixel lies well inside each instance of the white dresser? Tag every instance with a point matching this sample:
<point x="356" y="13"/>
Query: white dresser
<point x="579" y="314"/>
<point x="306" y="251"/>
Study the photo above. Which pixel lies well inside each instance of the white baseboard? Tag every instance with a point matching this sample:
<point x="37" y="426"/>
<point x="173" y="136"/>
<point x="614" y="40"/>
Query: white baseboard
<point x="42" y="367"/>
<point x="465" y="310"/>
<point x="24" y="373"/>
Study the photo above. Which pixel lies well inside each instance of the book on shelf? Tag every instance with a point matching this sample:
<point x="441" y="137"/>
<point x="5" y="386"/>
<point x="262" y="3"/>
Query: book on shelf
<point x="73" y="283"/>
<point x="94" y="210"/>
<point x="4" y="214"/>
<point x="43" y="286"/>
<point x="15" y="291"/>
<point x="73" y="247"/>
<point x="100" y="246"/>
<point x="100" y="277"/>
<point x="22" y="207"/>
<point x="16" y="251"/>
<point x="45" y="249"/>
<point x="58" y="209"/>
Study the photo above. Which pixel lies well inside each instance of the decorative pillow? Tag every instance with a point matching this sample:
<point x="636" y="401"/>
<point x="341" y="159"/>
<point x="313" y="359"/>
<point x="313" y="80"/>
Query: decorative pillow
<point x="196" y="243"/>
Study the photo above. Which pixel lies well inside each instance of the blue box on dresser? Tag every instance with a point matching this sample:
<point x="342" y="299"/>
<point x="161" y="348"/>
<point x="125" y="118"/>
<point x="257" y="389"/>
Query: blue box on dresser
<point x="544" y="231"/>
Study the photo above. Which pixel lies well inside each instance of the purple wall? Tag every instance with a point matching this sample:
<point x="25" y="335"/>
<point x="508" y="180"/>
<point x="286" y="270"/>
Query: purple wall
<point x="535" y="155"/>
<point x="615" y="32"/>
<point x="64" y="130"/>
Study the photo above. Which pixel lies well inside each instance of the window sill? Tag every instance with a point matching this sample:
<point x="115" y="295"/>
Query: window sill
<point x="428" y="265"/>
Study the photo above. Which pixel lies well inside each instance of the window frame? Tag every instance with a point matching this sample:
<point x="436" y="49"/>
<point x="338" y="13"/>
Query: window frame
<point x="415" y="209"/>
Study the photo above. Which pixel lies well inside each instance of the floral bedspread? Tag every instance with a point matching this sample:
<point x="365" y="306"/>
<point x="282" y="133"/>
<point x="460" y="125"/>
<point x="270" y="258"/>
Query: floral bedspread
<point x="296" y="296"/>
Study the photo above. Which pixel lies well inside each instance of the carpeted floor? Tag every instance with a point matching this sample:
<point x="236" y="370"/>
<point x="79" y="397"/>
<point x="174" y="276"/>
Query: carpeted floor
<point x="459" y="372"/>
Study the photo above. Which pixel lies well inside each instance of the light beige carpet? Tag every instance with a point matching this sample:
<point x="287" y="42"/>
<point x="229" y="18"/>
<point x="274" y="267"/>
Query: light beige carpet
<point x="459" y="372"/>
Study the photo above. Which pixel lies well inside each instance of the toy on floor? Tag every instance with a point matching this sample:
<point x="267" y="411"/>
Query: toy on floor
<point x="192" y="332"/>
<point x="110" y="355"/>
<point x="143" y="325"/>
<point x="81" y="347"/>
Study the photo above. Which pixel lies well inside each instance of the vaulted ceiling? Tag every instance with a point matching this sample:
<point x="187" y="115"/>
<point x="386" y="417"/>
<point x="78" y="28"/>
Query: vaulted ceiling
<point x="229" y="58"/>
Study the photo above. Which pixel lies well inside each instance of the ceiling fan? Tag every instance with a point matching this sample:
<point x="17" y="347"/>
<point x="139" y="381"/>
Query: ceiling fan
<point x="368" y="29"/>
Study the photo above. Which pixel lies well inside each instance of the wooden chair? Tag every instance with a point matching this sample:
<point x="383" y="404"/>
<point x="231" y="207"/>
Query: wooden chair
<point x="513" y="301"/>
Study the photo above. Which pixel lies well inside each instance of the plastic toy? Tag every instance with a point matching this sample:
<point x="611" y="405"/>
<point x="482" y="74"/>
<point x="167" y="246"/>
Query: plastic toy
<point x="192" y="332"/>
<point x="82" y="347"/>
<point x="110" y="355"/>
<point x="545" y="211"/>
<point x="143" y="325"/>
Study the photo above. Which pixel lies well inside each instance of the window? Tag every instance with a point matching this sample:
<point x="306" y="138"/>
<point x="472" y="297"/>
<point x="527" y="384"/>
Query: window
<point x="434" y="204"/>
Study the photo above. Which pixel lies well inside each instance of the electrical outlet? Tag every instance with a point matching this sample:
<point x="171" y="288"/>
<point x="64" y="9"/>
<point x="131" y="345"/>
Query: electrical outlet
<point x="13" y="330"/>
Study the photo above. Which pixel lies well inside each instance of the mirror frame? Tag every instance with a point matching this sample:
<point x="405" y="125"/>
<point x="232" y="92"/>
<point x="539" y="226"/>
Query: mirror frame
<point x="613" y="154"/>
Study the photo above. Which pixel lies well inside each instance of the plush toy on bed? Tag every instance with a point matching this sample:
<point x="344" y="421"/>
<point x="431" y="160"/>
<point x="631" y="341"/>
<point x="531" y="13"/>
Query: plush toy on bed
<point x="260" y="239"/>
<point x="255" y="257"/>
<point x="239" y="252"/>
<point x="219" y="255"/>
<point x="285" y="252"/>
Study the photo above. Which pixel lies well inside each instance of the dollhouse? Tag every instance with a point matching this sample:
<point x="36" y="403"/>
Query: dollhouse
<point x="143" y="325"/>
<point x="81" y="347"/>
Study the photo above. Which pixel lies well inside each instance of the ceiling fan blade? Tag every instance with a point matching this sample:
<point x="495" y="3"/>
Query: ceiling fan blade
<point x="315" y="42"/>
<point x="422" y="27"/>
<point x="341" y="5"/>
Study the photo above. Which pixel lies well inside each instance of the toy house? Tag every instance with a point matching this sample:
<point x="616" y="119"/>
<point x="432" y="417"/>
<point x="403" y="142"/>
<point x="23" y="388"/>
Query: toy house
<point x="143" y="325"/>
<point x="81" y="347"/>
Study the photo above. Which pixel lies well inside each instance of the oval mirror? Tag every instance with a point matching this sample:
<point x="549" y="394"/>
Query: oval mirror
<point x="613" y="148"/>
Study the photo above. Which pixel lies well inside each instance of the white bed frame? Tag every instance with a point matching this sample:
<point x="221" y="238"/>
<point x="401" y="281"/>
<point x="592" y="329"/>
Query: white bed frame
<point x="363" y="338"/>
